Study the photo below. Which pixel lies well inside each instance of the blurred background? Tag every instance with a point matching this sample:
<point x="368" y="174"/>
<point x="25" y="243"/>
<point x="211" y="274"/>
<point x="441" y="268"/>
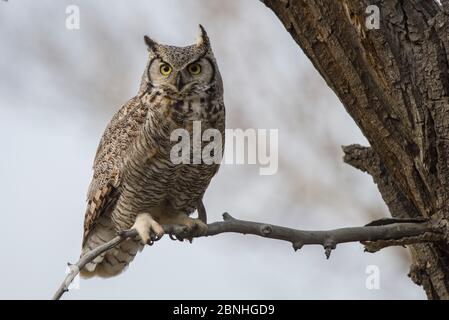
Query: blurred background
<point x="60" y="87"/>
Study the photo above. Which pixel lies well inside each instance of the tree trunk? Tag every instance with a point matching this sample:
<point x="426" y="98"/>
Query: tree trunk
<point x="394" y="82"/>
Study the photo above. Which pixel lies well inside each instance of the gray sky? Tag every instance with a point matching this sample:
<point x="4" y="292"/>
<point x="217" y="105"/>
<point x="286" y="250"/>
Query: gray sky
<point x="58" y="90"/>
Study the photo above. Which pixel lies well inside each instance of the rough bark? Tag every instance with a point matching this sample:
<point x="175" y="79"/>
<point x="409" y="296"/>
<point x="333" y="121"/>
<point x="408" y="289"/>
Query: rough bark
<point x="394" y="82"/>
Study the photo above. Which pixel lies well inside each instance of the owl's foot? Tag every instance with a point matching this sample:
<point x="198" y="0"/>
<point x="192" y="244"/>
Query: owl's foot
<point x="148" y="228"/>
<point x="194" y="226"/>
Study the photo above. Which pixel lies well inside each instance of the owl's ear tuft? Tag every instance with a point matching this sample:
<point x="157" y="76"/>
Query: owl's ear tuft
<point x="203" y="39"/>
<point x="151" y="44"/>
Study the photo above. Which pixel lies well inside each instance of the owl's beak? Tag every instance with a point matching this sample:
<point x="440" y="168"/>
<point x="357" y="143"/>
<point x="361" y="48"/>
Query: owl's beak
<point x="179" y="82"/>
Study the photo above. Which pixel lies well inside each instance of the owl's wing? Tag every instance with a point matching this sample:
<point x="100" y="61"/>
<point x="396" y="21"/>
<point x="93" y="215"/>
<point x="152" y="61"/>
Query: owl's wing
<point x="117" y="138"/>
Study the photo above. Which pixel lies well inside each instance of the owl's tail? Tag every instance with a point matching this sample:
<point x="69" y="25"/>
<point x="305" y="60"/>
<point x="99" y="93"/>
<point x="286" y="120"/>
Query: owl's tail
<point x="113" y="261"/>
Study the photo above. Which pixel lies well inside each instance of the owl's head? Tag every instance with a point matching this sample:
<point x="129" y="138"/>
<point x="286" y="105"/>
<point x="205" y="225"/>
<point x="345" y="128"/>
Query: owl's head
<point x="180" y="72"/>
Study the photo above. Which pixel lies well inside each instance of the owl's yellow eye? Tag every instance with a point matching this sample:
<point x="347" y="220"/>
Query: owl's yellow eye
<point x="194" y="68"/>
<point x="165" y="69"/>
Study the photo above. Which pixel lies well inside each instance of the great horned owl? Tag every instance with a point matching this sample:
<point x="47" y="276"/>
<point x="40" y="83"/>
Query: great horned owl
<point x="135" y="184"/>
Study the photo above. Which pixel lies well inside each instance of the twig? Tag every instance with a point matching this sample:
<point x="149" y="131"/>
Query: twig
<point x="389" y="234"/>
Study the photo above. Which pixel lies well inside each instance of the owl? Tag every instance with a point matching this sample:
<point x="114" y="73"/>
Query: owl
<point x="135" y="183"/>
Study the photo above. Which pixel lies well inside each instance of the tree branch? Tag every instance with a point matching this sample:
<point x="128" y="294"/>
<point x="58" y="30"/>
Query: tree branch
<point x="397" y="233"/>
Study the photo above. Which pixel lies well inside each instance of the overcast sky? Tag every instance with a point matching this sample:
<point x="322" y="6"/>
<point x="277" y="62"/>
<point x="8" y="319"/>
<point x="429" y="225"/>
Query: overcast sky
<point x="58" y="90"/>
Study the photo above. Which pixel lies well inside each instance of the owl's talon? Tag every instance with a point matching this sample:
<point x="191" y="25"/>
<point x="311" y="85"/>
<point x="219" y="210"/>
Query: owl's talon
<point x="186" y="228"/>
<point x="199" y="227"/>
<point x="175" y="237"/>
<point x="195" y="227"/>
<point x="155" y="237"/>
<point x="148" y="229"/>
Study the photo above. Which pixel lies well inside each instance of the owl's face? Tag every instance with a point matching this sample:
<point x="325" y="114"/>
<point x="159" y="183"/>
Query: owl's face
<point x="182" y="72"/>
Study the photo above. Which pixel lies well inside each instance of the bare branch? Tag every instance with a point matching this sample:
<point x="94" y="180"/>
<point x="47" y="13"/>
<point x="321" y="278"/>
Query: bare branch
<point x="397" y="233"/>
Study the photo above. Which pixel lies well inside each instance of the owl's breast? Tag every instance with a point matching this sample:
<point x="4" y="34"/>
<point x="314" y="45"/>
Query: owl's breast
<point x="208" y="111"/>
<point x="151" y="177"/>
<point x="153" y="181"/>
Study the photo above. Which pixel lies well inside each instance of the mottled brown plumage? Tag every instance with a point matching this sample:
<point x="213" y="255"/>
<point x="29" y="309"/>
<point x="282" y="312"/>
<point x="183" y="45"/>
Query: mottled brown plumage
<point x="136" y="183"/>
